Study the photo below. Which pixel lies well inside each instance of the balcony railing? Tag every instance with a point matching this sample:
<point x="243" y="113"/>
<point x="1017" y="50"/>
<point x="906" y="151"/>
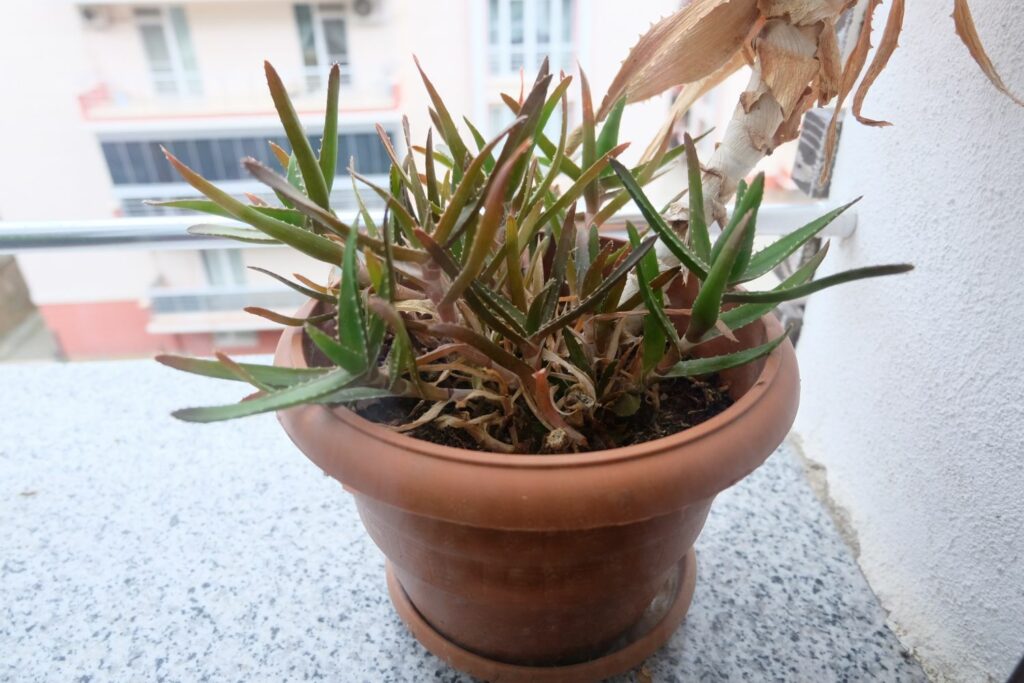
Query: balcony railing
<point x="217" y="97"/>
<point x="169" y="232"/>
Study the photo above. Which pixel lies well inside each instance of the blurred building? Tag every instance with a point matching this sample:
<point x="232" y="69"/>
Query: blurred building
<point x="112" y="81"/>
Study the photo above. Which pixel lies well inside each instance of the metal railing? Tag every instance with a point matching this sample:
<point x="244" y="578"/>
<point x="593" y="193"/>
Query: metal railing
<point x="169" y="232"/>
<point x="164" y="301"/>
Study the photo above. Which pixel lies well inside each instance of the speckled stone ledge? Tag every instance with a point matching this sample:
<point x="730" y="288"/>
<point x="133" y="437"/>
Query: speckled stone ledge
<point x="135" y="547"/>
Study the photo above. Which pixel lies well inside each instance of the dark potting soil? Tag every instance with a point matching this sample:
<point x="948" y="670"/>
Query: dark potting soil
<point x="682" y="403"/>
<point x="678" y="404"/>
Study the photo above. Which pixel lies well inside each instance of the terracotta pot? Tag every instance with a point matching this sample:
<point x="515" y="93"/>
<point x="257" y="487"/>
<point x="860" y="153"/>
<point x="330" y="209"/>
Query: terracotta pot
<point x="504" y="564"/>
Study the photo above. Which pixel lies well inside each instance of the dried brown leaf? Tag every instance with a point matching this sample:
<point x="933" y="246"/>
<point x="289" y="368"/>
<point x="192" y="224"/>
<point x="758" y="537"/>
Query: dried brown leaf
<point x="684" y="47"/>
<point x="804" y="12"/>
<point x="888" y="45"/>
<point x="788" y="62"/>
<point x="964" y="23"/>
<point x="688" y="94"/>
<point x="831" y="63"/>
<point x="429" y="416"/>
<point x="854" y="65"/>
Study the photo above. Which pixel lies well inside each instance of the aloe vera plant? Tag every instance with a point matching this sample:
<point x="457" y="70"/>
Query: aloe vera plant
<point x="485" y="295"/>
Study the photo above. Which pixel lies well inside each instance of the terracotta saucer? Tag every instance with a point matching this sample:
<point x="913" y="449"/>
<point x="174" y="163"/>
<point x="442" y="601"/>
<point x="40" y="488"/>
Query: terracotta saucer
<point x="657" y="624"/>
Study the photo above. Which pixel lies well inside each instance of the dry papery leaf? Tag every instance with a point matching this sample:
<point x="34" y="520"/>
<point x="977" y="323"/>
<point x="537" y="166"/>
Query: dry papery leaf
<point x="788" y="61"/>
<point x="964" y="24"/>
<point x="682" y="48"/>
<point x="854" y="65"/>
<point x="804" y="12"/>
<point x="889" y="43"/>
<point x="688" y="94"/>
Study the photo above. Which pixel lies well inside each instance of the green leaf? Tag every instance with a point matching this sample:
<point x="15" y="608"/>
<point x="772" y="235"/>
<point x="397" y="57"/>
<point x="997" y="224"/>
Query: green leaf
<point x="747" y="203"/>
<point x="393" y="319"/>
<point x="695" y="367"/>
<point x="465" y="188"/>
<point x="266" y="374"/>
<point x="487" y="229"/>
<point x="591" y="192"/>
<point x="353" y="394"/>
<point x="790" y="293"/>
<point x="431" y="171"/>
<point x="290" y="216"/>
<point x="771" y="256"/>
<point x="508" y="327"/>
<point x="658" y="283"/>
<point x="351" y="317"/>
<point x="597" y="295"/>
<point x="559" y="265"/>
<point x="484" y="346"/>
<point x="668" y="236"/>
<point x="609" y="136"/>
<point x="524" y="131"/>
<point x="305" y="392"/>
<point x="513" y="269"/>
<point x="231" y="232"/>
<point x="698" y="222"/>
<point x="708" y="303"/>
<point x="325" y="217"/>
<point x="576" y="355"/>
<point x="531" y="209"/>
<point x="657" y="327"/>
<point x="573" y="192"/>
<point x="446" y="126"/>
<point x="302" y="240"/>
<point x="536" y="310"/>
<point x="312" y="176"/>
<point x="329" y="142"/>
<point x="337" y="353"/>
<point x="311" y="293"/>
<point x="557" y="95"/>
<point x="744" y="314"/>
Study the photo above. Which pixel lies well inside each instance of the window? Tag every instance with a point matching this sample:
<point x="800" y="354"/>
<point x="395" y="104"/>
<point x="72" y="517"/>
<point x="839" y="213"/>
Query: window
<point x="168" y="46"/>
<point x="323" y="37"/>
<point x="223" y="267"/>
<point x="140" y="161"/>
<point x="521" y="33"/>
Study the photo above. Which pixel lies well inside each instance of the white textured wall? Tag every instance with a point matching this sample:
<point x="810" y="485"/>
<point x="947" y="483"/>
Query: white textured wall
<point x="913" y="387"/>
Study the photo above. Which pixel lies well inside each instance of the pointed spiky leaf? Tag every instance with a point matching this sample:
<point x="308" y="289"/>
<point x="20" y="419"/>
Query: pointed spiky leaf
<point x="698" y="222"/>
<point x="351" y="317"/>
<point x="335" y="351"/>
<point x="708" y="303"/>
<point x="800" y="291"/>
<point x="312" y="176"/>
<point x="329" y="141"/>
<point x="266" y="374"/>
<point x="695" y="367"/>
<point x="302" y="240"/>
<point x="597" y="295"/>
<point x="771" y="256"/>
<point x="319" y="387"/>
<point x="311" y="293"/>
<point x="668" y="236"/>
<point x="609" y="136"/>
<point x="231" y="232"/>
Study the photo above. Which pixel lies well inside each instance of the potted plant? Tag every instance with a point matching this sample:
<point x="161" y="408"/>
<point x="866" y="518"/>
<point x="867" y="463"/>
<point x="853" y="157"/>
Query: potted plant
<point x="533" y="418"/>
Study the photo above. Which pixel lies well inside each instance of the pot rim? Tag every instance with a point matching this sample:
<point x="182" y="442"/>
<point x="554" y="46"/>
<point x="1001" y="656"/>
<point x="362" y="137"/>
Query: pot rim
<point x="289" y="352"/>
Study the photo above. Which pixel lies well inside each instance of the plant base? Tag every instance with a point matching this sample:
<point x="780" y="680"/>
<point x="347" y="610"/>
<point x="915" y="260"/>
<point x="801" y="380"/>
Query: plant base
<point x="654" y="628"/>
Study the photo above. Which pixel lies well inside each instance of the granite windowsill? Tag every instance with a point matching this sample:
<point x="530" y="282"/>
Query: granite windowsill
<point x="136" y="547"/>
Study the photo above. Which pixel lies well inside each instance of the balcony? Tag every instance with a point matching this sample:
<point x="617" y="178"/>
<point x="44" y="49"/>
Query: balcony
<point x="139" y="547"/>
<point x="216" y="309"/>
<point x="120" y="104"/>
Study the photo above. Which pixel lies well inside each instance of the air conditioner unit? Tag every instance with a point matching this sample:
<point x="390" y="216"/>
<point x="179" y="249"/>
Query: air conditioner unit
<point x="96" y="17"/>
<point x="368" y="11"/>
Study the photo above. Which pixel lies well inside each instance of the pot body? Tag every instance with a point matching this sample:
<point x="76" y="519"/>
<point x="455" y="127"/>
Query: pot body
<point x="546" y="560"/>
<point x="540" y="598"/>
